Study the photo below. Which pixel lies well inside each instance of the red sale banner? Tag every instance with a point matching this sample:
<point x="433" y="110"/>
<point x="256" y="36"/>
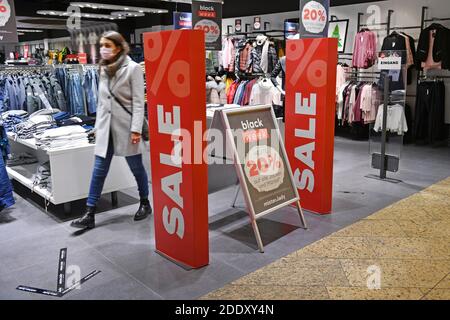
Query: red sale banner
<point x="177" y="94"/>
<point x="310" y="119"/>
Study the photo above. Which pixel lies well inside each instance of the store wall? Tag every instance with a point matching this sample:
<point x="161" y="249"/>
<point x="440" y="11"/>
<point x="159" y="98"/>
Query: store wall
<point x="406" y="13"/>
<point x="139" y="32"/>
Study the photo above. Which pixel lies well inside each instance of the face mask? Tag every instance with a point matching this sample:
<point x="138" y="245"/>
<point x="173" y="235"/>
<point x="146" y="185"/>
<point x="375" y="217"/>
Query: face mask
<point x="106" y="53"/>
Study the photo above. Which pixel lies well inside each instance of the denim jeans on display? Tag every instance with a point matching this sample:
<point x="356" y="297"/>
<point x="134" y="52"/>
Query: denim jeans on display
<point x="21" y="93"/>
<point x="2" y="94"/>
<point x="90" y="85"/>
<point x="76" y="96"/>
<point x="10" y="98"/>
<point x="101" y="170"/>
<point x="59" y="93"/>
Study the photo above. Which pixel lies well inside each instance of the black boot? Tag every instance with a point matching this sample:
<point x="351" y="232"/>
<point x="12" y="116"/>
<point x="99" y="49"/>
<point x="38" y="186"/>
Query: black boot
<point x="145" y="209"/>
<point x="87" y="221"/>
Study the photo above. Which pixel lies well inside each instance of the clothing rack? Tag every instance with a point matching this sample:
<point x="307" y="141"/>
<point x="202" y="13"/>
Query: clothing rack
<point x="425" y="20"/>
<point x="426" y="78"/>
<point x="254" y="34"/>
<point x="251" y="75"/>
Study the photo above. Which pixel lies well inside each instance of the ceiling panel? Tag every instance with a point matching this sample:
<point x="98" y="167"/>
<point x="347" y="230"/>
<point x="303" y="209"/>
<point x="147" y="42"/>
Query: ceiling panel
<point x="232" y="8"/>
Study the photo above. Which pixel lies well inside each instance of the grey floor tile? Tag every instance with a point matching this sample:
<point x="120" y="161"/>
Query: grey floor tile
<point x="117" y="226"/>
<point x="13" y="226"/>
<point x="79" y="264"/>
<point x="124" y="250"/>
<point x="130" y="256"/>
<point x="21" y="253"/>
<point x="123" y="288"/>
<point x="173" y="282"/>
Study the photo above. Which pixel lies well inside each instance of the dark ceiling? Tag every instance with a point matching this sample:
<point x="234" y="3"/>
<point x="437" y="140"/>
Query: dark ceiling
<point x="232" y="8"/>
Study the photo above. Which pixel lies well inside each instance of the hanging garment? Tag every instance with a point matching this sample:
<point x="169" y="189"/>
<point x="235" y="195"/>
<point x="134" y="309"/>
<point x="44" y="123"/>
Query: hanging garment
<point x="243" y="57"/>
<point x="280" y="68"/>
<point x="371" y="97"/>
<point x="232" y="92"/>
<point x="212" y="95"/>
<point x="396" y="120"/>
<point x="228" y="55"/>
<point x="265" y="93"/>
<point x="365" y="49"/>
<point x="430" y="113"/>
<point x="341" y="77"/>
<point x="90" y="86"/>
<point x="264" y="56"/>
<point x="433" y="50"/>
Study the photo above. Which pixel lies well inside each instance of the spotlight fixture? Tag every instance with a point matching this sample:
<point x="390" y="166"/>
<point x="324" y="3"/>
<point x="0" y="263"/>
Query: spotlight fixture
<point x="82" y="15"/>
<point x="29" y="30"/>
<point x="130" y="14"/>
<point x="103" y="6"/>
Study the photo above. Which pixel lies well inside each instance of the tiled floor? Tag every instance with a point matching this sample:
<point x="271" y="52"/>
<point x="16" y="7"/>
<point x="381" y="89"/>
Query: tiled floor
<point x="124" y="251"/>
<point x="408" y="243"/>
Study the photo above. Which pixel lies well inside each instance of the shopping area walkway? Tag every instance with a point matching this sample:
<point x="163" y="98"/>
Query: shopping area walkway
<point x="408" y="242"/>
<point x="30" y="238"/>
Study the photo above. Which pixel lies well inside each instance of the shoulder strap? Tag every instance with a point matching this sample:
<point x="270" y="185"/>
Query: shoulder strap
<point x="117" y="100"/>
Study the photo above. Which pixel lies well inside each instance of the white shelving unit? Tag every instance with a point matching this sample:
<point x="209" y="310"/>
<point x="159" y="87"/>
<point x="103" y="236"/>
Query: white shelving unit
<point x="71" y="171"/>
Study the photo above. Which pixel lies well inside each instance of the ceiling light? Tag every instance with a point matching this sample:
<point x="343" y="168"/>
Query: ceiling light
<point x="119" y="8"/>
<point x="83" y="15"/>
<point x="29" y="30"/>
<point x="127" y="14"/>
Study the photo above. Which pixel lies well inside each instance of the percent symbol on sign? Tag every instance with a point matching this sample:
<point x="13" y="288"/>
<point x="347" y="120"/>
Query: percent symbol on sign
<point x="209" y="29"/>
<point x="177" y="71"/>
<point x="263" y="164"/>
<point x="316" y="69"/>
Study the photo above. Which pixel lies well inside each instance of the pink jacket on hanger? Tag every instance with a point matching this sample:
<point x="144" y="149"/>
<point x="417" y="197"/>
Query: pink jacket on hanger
<point x="365" y="50"/>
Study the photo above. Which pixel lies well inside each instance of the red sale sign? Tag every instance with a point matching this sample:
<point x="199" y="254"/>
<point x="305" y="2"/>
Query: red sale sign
<point x="177" y="94"/>
<point x="310" y="119"/>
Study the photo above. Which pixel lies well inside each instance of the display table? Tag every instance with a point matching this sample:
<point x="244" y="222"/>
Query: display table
<point x="71" y="172"/>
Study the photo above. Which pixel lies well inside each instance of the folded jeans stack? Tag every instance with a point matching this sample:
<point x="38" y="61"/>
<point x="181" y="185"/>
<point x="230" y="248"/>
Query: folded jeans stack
<point x="63" y="137"/>
<point x="43" y="177"/>
<point x="77" y="120"/>
<point x="12" y="118"/>
<point x="34" y="125"/>
<point x="21" y="159"/>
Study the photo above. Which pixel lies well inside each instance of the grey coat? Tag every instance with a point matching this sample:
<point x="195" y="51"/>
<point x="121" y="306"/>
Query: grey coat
<point x="128" y="86"/>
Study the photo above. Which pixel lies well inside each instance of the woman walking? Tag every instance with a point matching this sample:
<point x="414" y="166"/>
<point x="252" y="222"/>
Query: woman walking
<point x="120" y="117"/>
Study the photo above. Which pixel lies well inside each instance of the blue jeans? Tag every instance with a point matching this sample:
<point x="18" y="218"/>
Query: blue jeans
<point x="101" y="170"/>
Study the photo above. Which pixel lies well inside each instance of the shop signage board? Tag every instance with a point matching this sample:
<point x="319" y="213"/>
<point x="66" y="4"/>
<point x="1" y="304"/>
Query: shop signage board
<point x="261" y="162"/>
<point x="310" y="119"/>
<point x="182" y="20"/>
<point x="238" y="25"/>
<point x="176" y="91"/>
<point x="257" y="24"/>
<point x="314" y="19"/>
<point x="207" y="16"/>
<point x="389" y="63"/>
<point x="8" y="27"/>
<point x="290" y="29"/>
